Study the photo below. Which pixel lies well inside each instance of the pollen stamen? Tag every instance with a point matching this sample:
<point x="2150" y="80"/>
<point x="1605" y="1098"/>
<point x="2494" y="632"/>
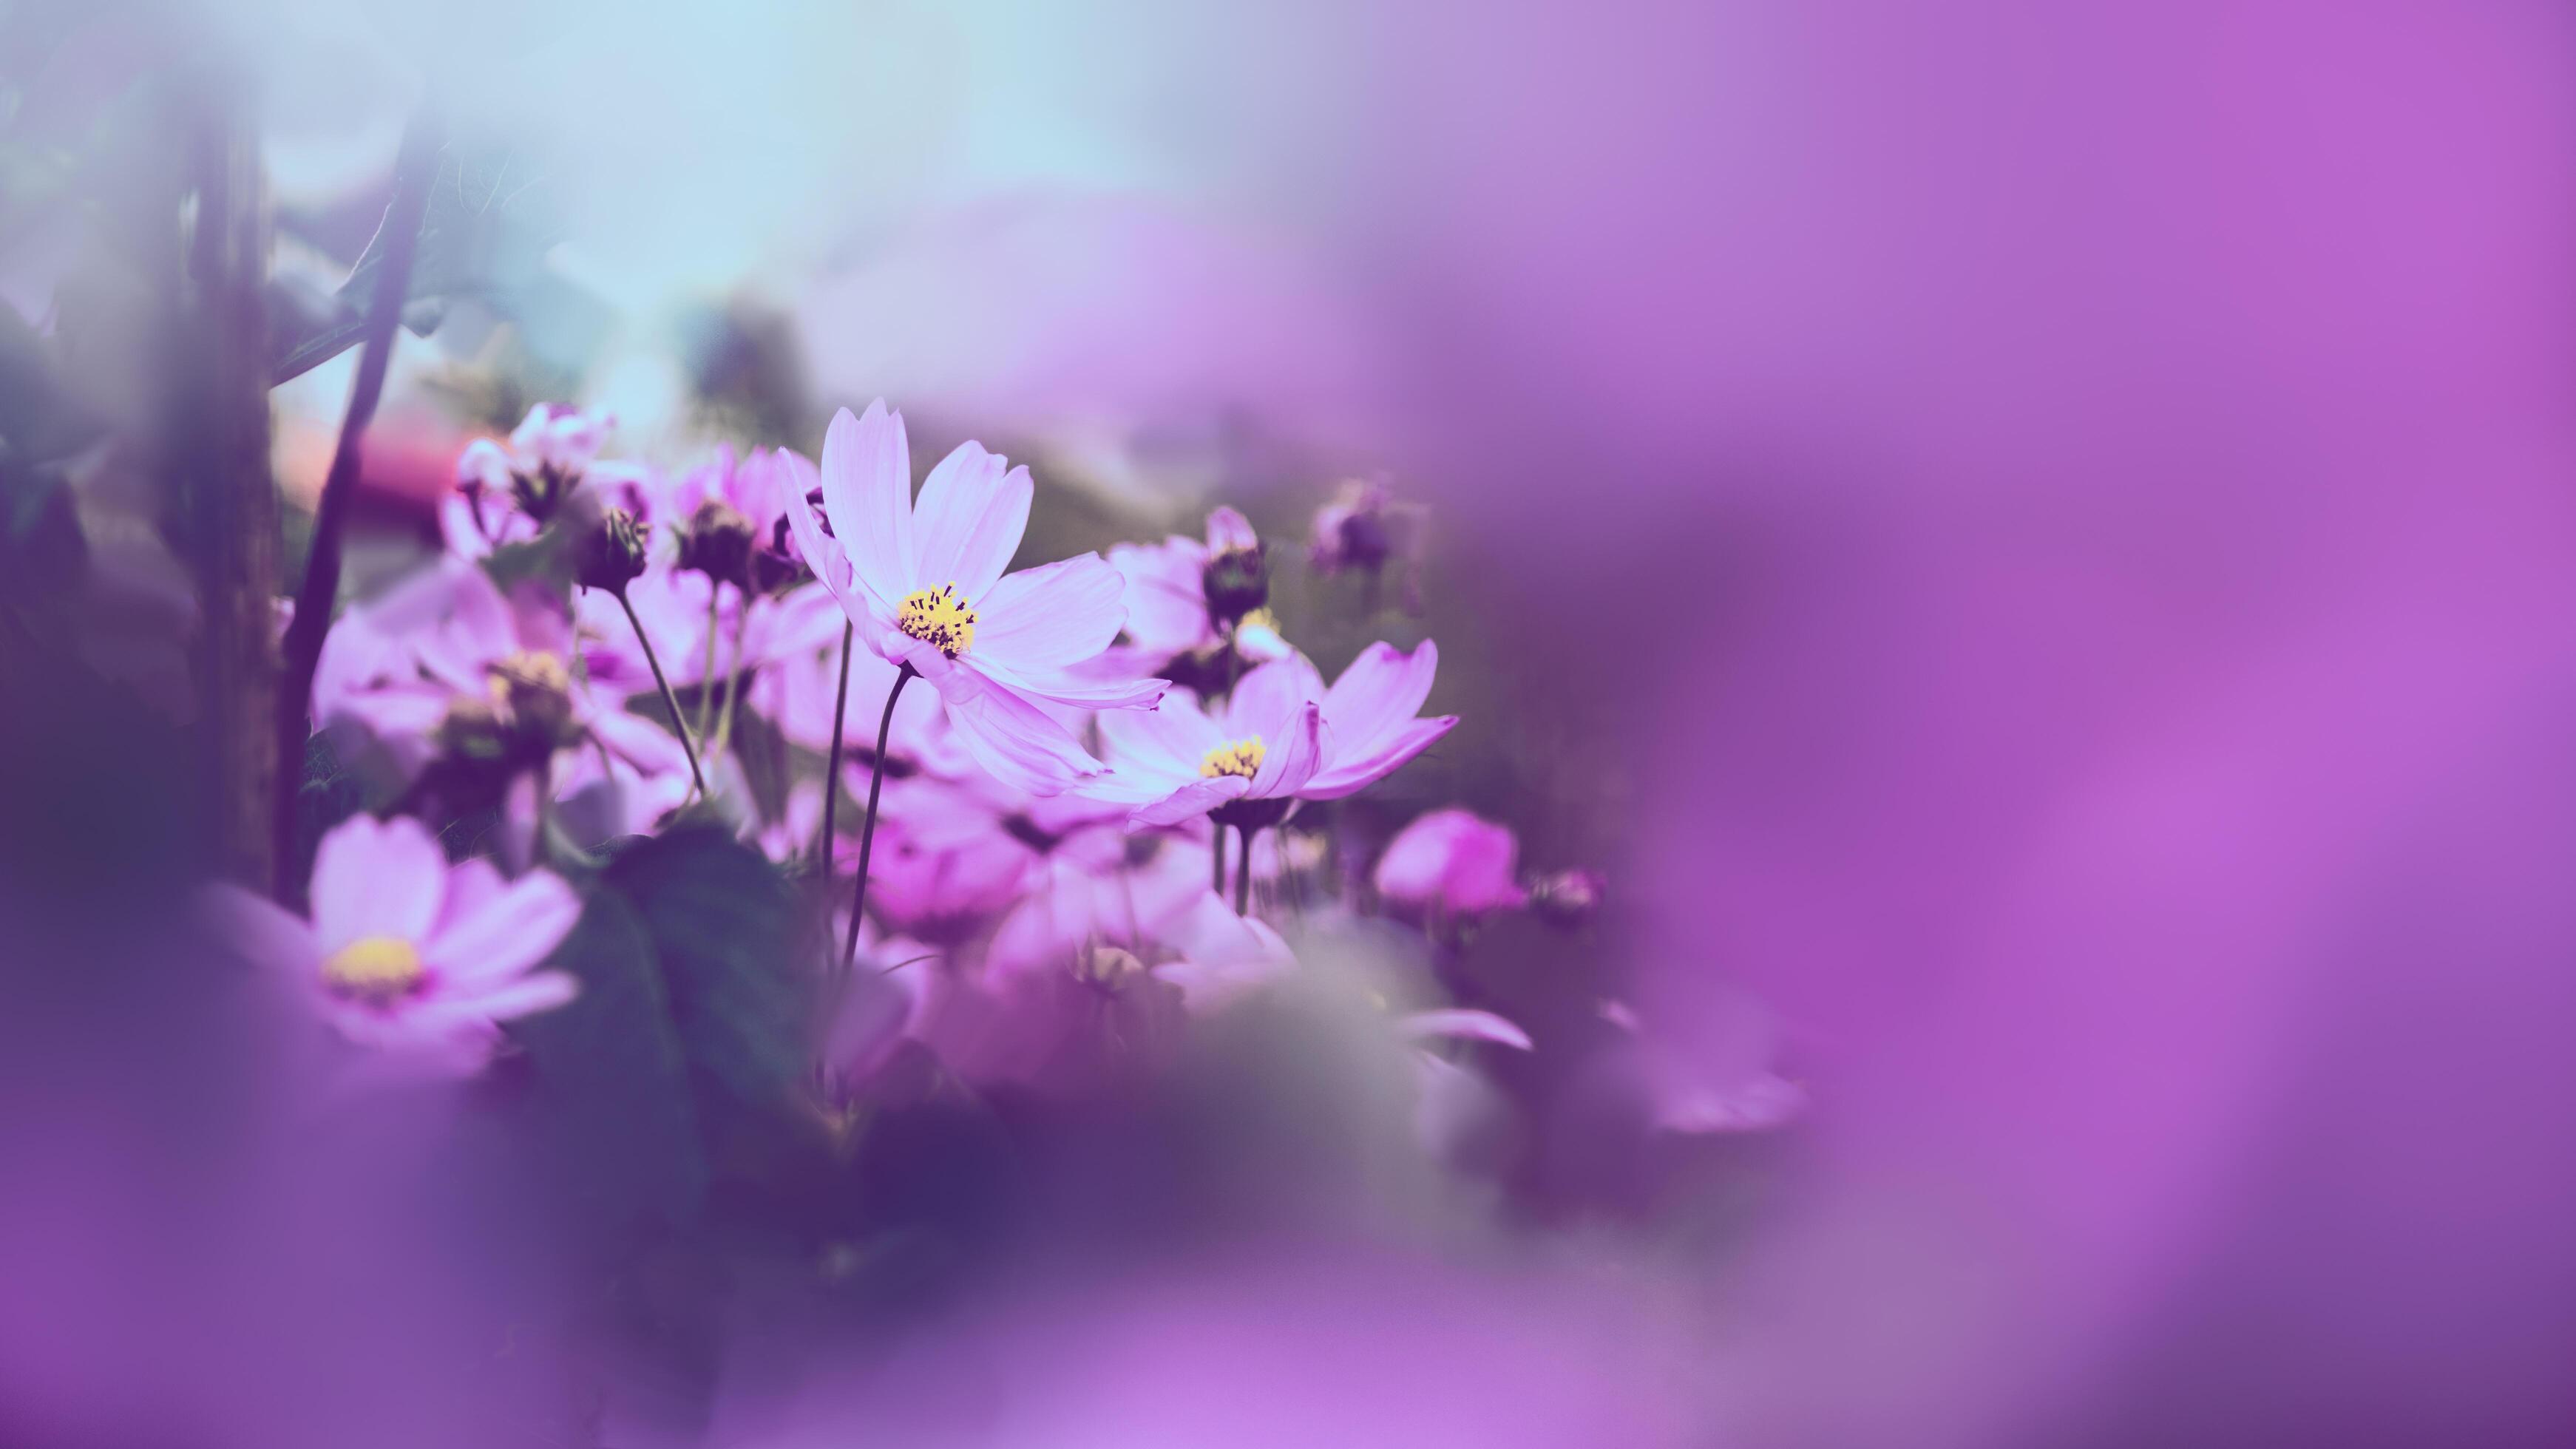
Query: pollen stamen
<point x="940" y="618"/>
<point x="374" y="969"/>
<point x="1241" y="757"/>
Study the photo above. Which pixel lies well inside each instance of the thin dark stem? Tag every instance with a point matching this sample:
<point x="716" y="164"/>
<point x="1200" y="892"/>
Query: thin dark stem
<point x="707" y="676"/>
<point x="832" y="769"/>
<point x="415" y="167"/>
<point x="1243" y="871"/>
<point x="868" y="828"/>
<point x="670" y="701"/>
<point x="1216" y="856"/>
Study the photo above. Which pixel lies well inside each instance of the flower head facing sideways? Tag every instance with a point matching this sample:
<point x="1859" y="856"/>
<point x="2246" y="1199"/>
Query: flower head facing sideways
<point x="923" y="582"/>
<point x="407" y="954"/>
<point x="1281" y="735"/>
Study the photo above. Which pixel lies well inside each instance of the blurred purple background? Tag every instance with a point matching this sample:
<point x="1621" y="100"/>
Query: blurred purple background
<point x="2034" y="544"/>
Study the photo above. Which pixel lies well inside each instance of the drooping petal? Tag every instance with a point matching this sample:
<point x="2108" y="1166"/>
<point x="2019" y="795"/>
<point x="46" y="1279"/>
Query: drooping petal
<point x="1018" y="744"/>
<point x="1460" y="1023"/>
<point x="867" y="490"/>
<point x="376" y="879"/>
<point x="1083" y="691"/>
<point x="1292" y="756"/>
<point x="510" y="933"/>
<point x="1349" y="772"/>
<point x="968" y="521"/>
<point x="1268" y="699"/>
<point x="1052" y="616"/>
<point x="1194" y="799"/>
<point x="1379" y="693"/>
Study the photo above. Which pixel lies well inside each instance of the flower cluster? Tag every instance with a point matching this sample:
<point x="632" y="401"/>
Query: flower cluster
<point x="1110" y="808"/>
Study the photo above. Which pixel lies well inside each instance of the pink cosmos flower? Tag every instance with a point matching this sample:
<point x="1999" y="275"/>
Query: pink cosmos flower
<point x="1362" y="530"/>
<point x="1094" y="887"/>
<point x="923" y="582"/>
<point x="1280" y="736"/>
<point x="407" y="954"/>
<point x="444" y="655"/>
<point x="1451" y="863"/>
<point x="549" y="452"/>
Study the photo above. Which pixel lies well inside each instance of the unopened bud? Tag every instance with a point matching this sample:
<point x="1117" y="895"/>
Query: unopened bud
<point x="719" y="543"/>
<point x="1567" y="898"/>
<point x="1237" y="582"/>
<point x="611" y="554"/>
<point x="472" y="732"/>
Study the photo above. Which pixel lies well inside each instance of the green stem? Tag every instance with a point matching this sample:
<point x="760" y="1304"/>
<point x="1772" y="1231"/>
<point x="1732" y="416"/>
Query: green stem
<point x="670" y="701"/>
<point x="832" y="770"/>
<point x="868" y="829"/>
<point x="1243" y="871"/>
<point x="1216" y="858"/>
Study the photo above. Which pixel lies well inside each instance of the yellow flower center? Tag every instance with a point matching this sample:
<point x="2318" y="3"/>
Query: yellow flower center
<point x="1243" y="757"/>
<point x="939" y="618"/>
<point x="374" y="968"/>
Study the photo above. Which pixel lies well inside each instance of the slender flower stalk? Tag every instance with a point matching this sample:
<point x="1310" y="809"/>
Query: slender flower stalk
<point x="1242" y="869"/>
<point x="707" y="676"/>
<point x="832" y="769"/>
<point x="731" y="704"/>
<point x="868" y="827"/>
<point x="1216" y="859"/>
<point x="670" y="701"/>
<point x="415" y="168"/>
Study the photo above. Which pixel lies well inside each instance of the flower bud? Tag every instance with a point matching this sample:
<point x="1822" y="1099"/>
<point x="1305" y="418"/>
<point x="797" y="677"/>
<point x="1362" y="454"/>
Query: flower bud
<point x="719" y="543"/>
<point x="611" y="553"/>
<point x="1567" y="899"/>
<point x="1236" y="578"/>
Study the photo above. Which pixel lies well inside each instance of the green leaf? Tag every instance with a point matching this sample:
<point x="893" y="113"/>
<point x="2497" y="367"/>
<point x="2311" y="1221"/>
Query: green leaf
<point x="722" y="923"/>
<point x="611" y="1078"/>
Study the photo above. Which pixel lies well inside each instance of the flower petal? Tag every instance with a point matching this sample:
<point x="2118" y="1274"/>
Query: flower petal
<point x="1292" y="756"/>
<point x="822" y="552"/>
<point x="1192" y="800"/>
<point x="1348" y="773"/>
<point x="1268" y="700"/>
<point x="1175" y="735"/>
<point x="1052" y="616"/>
<point x="867" y="490"/>
<point x="1084" y="691"/>
<point x="968" y="521"/>
<point x="525" y="996"/>
<point x="1380" y="692"/>
<point x="1460" y="1023"/>
<point x="510" y="933"/>
<point x="1017" y="743"/>
<point x="376" y="879"/>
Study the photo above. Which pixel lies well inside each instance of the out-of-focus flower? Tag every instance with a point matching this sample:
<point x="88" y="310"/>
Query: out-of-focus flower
<point x="611" y="553"/>
<point x="1096" y="885"/>
<point x="407" y="954"/>
<point x="1236" y="577"/>
<point x="1258" y="640"/>
<point x="445" y="670"/>
<point x="945" y="864"/>
<point x="506" y="492"/>
<point x="1362" y="530"/>
<point x="732" y="515"/>
<point x="1451" y="863"/>
<point x="1222" y="957"/>
<point x="923" y="582"/>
